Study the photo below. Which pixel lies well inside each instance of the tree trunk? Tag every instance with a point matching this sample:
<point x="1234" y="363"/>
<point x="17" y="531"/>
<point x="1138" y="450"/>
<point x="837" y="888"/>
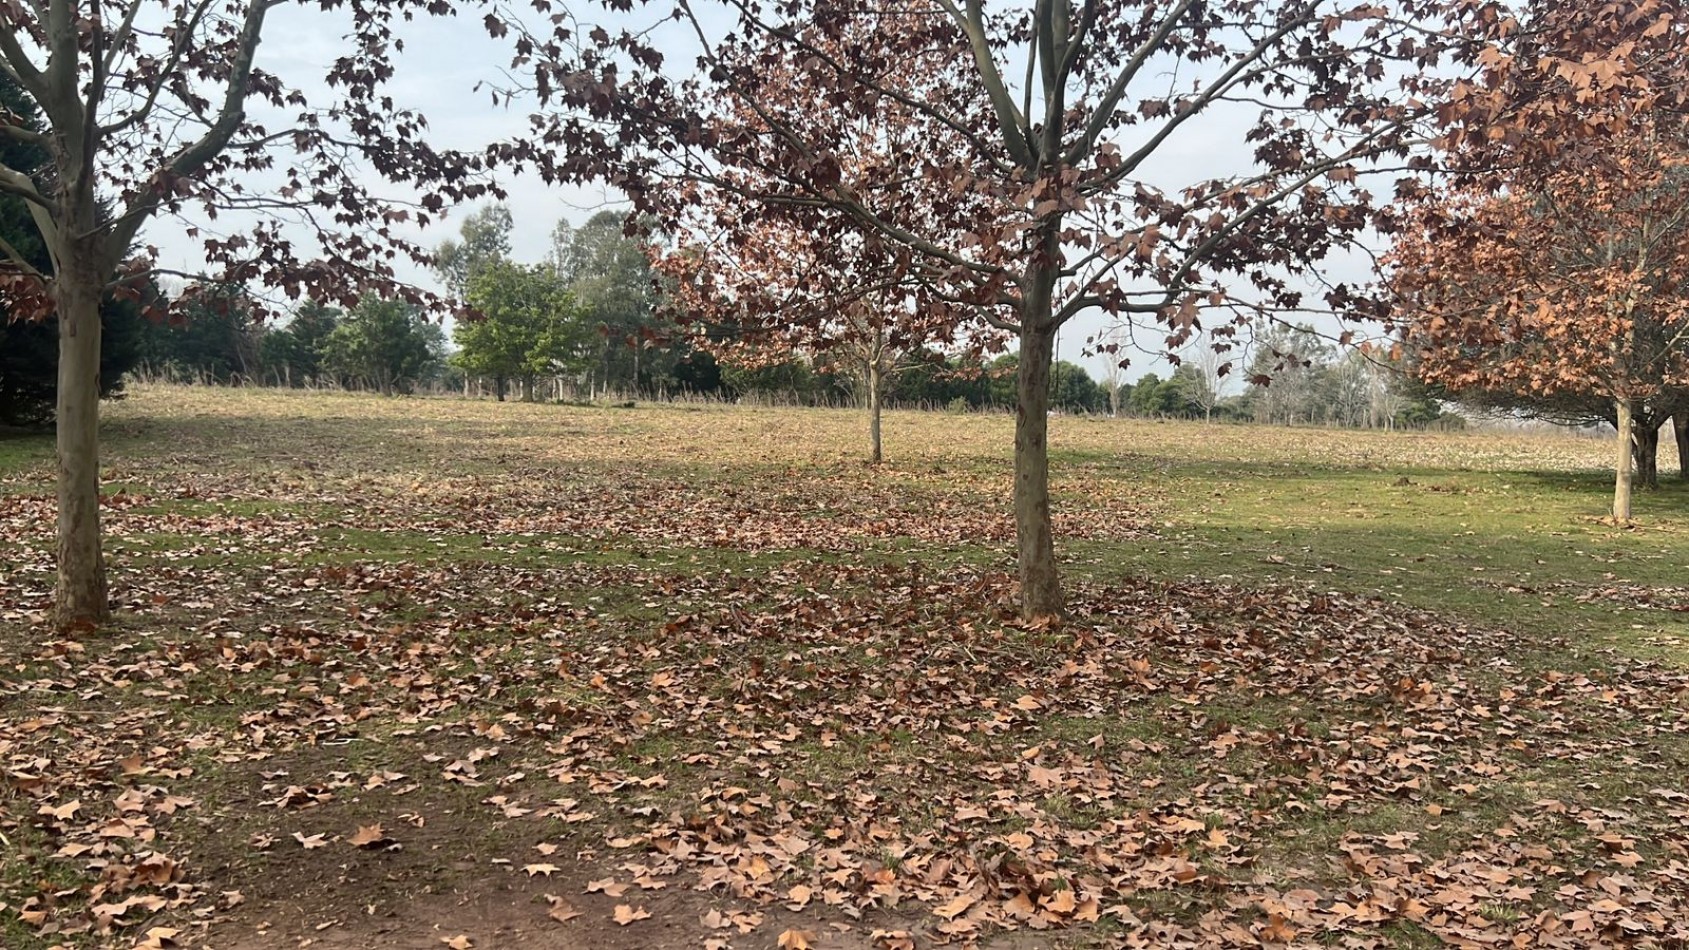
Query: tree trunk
<point x="1645" y="441"/>
<point x="527" y="389"/>
<point x="1623" y="459"/>
<point x="1040" y="582"/>
<point x="876" y="381"/>
<point x="81" y="599"/>
<point x="1680" y="426"/>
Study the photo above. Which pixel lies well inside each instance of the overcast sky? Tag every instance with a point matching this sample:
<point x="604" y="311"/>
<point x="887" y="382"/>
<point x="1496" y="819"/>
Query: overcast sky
<point x="445" y="59"/>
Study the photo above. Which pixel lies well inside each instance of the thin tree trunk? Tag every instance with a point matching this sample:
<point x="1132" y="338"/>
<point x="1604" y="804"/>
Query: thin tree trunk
<point x="81" y="599"/>
<point x="1646" y="442"/>
<point x="1680" y="427"/>
<point x="527" y="389"/>
<point x="1623" y="459"/>
<point x="1040" y="582"/>
<point x="876" y="381"/>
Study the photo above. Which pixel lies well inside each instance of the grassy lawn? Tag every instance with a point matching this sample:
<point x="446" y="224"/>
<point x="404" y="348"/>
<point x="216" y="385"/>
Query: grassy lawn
<point x="392" y="672"/>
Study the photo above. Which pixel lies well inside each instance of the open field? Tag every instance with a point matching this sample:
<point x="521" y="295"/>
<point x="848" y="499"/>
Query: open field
<point x="581" y="665"/>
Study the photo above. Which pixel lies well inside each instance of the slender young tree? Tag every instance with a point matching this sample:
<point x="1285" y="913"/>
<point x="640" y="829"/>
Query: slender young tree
<point x="149" y="104"/>
<point x="1060" y="117"/>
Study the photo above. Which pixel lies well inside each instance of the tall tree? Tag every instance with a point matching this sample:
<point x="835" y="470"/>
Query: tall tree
<point x="485" y="241"/>
<point x="608" y="270"/>
<point x="214" y="336"/>
<point x="145" y="104"/>
<point x="293" y="354"/>
<point x="1566" y="272"/>
<point x="1316" y="91"/>
<point x="762" y="295"/>
<point x="848" y="297"/>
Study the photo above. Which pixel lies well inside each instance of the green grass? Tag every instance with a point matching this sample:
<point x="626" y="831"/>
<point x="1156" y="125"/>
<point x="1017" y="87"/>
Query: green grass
<point x="1515" y="550"/>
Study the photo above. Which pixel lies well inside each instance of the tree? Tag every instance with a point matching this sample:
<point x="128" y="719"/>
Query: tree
<point x="1074" y="390"/>
<point x="1062" y="157"/>
<point x="1210" y="371"/>
<point x="387" y="345"/>
<point x="485" y="241"/>
<point x="1567" y="276"/>
<point x="770" y="295"/>
<point x="848" y="296"/>
<point x="145" y="105"/>
<point x="1289" y="375"/>
<point x="610" y="274"/>
<point x="1153" y="396"/>
<point x="28" y="349"/>
<point x="529" y="326"/>
<point x="214" y="336"/>
<point x="1114" y="371"/>
<point x="294" y="353"/>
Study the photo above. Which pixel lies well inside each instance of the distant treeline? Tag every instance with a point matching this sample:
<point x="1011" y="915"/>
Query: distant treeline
<point x="389" y="347"/>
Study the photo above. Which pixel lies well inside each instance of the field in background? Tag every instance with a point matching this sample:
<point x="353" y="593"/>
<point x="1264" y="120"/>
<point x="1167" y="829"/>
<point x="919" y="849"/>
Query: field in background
<point x="1320" y="684"/>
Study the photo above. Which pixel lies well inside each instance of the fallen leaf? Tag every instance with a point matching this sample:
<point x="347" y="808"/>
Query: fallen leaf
<point x="369" y="836"/>
<point x="956" y="906"/>
<point x="561" y="910"/>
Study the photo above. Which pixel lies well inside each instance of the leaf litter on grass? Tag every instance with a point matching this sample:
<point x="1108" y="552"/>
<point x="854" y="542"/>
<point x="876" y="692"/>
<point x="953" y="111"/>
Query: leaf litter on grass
<point x="864" y="740"/>
<point x="330" y="675"/>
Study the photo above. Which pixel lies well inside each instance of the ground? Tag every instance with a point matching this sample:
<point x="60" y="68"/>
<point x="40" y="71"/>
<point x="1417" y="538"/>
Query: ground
<point x="425" y="673"/>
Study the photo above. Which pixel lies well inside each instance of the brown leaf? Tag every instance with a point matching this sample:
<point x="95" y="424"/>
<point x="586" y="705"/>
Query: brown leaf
<point x="561" y="910"/>
<point x="369" y="836"/>
<point x="956" y="906"/>
<point x="606" y="886"/>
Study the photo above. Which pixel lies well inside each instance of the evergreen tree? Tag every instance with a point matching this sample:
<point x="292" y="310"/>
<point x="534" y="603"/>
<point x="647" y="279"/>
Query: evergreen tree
<point x="293" y="354"/>
<point x="217" y="339"/>
<point x="387" y="345"/>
